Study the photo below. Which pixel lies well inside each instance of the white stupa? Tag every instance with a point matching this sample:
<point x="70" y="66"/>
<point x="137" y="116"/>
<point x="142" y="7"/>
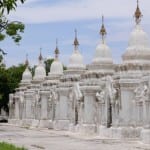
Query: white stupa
<point x="76" y="59"/>
<point x="102" y="62"/>
<point x="56" y="67"/>
<point x="40" y="72"/>
<point x="103" y="53"/>
<point x="26" y="76"/>
<point x="138" y="50"/>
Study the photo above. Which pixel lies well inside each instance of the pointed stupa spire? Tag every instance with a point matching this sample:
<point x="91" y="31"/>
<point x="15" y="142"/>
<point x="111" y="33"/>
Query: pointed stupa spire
<point x="26" y="76"/>
<point x="56" y="50"/>
<point x="103" y="30"/>
<point x="76" y="43"/>
<point x="26" y="62"/>
<point x="138" y="14"/>
<point x="40" y="56"/>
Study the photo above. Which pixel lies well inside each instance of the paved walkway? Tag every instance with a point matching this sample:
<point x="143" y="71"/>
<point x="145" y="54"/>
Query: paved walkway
<point x="43" y="139"/>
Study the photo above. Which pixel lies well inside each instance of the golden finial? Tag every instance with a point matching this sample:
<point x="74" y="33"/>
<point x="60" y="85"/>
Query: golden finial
<point x="103" y="30"/>
<point x="26" y="62"/>
<point x="138" y="14"/>
<point x="40" y="56"/>
<point x="76" y="43"/>
<point x="56" y="50"/>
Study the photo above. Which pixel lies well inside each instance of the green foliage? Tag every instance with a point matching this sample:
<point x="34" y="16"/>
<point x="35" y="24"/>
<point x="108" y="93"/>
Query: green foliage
<point x="8" y="5"/>
<point x="2" y="37"/>
<point x="7" y="28"/>
<point x="7" y="146"/>
<point x="64" y="67"/>
<point x="13" y="29"/>
<point x="9" y="81"/>
<point x="14" y="76"/>
<point x="9" y="78"/>
<point x="4" y="89"/>
<point x="1" y="59"/>
<point x="48" y="63"/>
<point x="2" y="65"/>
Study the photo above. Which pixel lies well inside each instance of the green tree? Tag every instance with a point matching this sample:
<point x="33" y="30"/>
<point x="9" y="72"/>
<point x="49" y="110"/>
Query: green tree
<point x="8" y="28"/>
<point x="14" y="74"/>
<point x="4" y="89"/>
<point x="9" y="78"/>
<point x="48" y="63"/>
<point x="9" y="81"/>
<point x="8" y="5"/>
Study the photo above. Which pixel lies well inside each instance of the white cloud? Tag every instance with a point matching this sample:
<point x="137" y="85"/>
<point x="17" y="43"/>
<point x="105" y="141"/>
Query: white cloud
<point x="119" y="23"/>
<point x="77" y="10"/>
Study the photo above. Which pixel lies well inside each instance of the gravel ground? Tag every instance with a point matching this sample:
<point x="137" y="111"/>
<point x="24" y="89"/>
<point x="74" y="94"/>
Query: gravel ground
<point x="43" y="139"/>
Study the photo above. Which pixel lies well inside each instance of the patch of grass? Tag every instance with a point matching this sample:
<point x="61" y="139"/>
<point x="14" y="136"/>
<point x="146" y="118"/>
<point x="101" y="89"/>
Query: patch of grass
<point x="7" y="146"/>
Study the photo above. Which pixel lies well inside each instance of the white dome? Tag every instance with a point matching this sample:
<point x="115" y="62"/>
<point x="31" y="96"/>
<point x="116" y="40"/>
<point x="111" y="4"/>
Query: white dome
<point x="76" y="60"/>
<point x="56" y="67"/>
<point x="138" y="48"/>
<point x="138" y="38"/>
<point x="40" y="72"/>
<point x="103" y="54"/>
<point x="27" y="76"/>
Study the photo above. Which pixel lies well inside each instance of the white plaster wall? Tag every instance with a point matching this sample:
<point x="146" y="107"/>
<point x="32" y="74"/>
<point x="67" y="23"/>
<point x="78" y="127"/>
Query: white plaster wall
<point x="126" y="112"/>
<point x="63" y="112"/>
<point x="17" y="109"/>
<point x="146" y="114"/>
<point x="57" y="108"/>
<point x="89" y="109"/>
<point x="44" y="107"/>
<point x="28" y="109"/>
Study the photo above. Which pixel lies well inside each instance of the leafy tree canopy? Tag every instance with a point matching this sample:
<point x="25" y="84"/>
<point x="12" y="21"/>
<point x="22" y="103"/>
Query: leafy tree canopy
<point x="9" y="81"/>
<point x="48" y="63"/>
<point x="9" y="78"/>
<point x="10" y="28"/>
<point x="8" y="5"/>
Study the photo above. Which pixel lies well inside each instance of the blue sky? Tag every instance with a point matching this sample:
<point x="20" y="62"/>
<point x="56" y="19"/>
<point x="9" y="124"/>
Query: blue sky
<point x="47" y="20"/>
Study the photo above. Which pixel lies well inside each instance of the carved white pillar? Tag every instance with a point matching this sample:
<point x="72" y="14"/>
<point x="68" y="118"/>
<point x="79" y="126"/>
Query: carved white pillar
<point x="139" y="113"/>
<point x="29" y="98"/>
<point x="63" y="100"/>
<point x="21" y="105"/>
<point x="57" y="108"/>
<point x="62" y="110"/>
<point x="11" y="108"/>
<point x="145" y="133"/>
<point x="81" y="112"/>
<point x="89" y="111"/>
<point x="17" y="109"/>
<point x="102" y="116"/>
<point x="126" y="118"/>
<point x="37" y="107"/>
<point x="127" y="96"/>
<point x="44" y="104"/>
<point x="45" y="120"/>
<point x="89" y="108"/>
<point x="146" y="114"/>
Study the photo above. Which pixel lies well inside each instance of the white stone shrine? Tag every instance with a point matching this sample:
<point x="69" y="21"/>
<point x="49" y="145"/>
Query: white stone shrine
<point x="102" y="98"/>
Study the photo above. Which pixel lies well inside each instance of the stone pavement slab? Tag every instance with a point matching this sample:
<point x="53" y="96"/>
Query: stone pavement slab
<point x="44" y="139"/>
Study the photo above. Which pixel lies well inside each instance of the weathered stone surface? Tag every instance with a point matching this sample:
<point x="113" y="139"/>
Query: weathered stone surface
<point x="35" y="139"/>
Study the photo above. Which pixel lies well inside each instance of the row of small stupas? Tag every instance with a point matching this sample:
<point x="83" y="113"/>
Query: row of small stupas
<point x="100" y="98"/>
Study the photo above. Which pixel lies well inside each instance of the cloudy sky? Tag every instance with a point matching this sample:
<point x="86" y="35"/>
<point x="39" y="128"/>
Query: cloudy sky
<point x="47" y="20"/>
